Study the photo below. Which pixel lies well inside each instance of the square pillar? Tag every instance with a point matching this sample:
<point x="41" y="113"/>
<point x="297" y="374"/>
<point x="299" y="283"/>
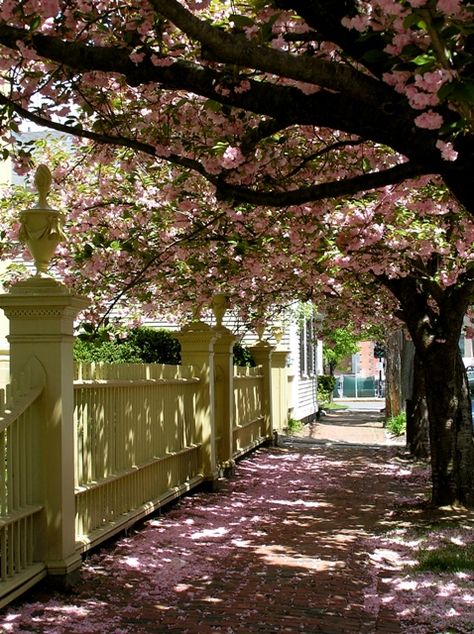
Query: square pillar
<point x="262" y="354"/>
<point x="279" y="389"/>
<point x="224" y="397"/>
<point x="41" y="313"/>
<point x="197" y="350"/>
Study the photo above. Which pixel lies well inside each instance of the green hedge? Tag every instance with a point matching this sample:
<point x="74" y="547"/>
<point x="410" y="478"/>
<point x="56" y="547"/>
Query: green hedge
<point x="141" y="345"/>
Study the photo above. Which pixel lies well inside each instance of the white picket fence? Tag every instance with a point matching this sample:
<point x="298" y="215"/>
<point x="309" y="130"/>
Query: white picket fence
<point x="20" y="512"/>
<point x="136" y="444"/>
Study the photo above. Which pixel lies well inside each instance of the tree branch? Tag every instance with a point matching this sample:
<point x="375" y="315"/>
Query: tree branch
<point x="226" y="191"/>
<point x="332" y="189"/>
<point x="236" y="49"/>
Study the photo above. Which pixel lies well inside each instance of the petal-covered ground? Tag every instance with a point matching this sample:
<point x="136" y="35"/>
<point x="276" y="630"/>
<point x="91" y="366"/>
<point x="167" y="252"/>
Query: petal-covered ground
<point x="304" y="538"/>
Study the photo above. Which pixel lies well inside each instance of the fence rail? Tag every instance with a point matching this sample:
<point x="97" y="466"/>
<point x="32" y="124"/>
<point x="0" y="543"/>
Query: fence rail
<point x="20" y="512"/>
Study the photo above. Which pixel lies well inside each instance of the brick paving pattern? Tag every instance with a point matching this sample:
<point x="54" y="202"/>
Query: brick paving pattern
<point x="278" y="549"/>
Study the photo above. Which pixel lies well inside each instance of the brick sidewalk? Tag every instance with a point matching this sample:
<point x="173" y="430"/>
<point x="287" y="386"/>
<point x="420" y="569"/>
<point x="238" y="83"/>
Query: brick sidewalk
<point x="278" y="549"/>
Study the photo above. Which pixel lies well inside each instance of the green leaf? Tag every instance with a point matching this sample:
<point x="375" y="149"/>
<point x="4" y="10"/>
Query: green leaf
<point x="266" y="31"/>
<point x="88" y="250"/>
<point x="446" y="90"/>
<point x="212" y="105"/>
<point x="457" y="91"/>
<point x="35" y="23"/>
<point x="414" y="20"/>
<point x="258" y="5"/>
<point x="240" y="21"/>
<point x="464" y="92"/>
<point x="421" y="60"/>
<point x="220" y="147"/>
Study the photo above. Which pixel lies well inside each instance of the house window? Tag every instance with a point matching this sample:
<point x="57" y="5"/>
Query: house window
<point x="308" y="348"/>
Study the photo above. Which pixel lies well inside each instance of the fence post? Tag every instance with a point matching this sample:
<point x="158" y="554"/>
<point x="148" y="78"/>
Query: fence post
<point x="224" y="390"/>
<point x="279" y="389"/>
<point x="197" y="350"/>
<point x="41" y="313"/>
<point x="262" y="354"/>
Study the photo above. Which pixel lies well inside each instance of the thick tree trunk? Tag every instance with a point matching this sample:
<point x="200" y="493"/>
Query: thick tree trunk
<point x="434" y="317"/>
<point x="451" y="437"/>
<point x="418" y="440"/>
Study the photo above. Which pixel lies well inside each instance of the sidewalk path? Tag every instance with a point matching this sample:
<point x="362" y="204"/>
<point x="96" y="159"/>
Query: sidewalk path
<point x="278" y="549"/>
<point x="351" y="427"/>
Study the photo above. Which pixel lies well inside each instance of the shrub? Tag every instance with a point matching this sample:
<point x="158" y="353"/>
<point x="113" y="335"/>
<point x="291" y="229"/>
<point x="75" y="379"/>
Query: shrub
<point x="155" y="346"/>
<point x="294" y="425"/>
<point x="242" y="356"/>
<point x="326" y="385"/>
<point x="141" y="345"/>
<point x="397" y="424"/>
<point x="106" y="351"/>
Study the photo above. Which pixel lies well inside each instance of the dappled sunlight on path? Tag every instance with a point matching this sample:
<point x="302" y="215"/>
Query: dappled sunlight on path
<point x="285" y="546"/>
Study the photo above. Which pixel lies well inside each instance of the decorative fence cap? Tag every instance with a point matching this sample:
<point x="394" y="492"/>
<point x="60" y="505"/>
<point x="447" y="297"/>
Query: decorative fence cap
<point x="277" y="332"/>
<point x="41" y="227"/>
<point x="220" y="304"/>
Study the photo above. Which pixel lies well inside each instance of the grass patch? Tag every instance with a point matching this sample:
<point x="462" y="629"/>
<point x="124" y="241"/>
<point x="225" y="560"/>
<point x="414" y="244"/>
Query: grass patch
<point x="327" y="407"/>
<point x="294" y="425"/>
<point x="397" y="424"/>
<point x="449" y="558"/>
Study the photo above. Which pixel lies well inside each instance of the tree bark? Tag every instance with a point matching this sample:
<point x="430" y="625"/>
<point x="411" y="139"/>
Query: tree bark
<point x="418" y="441"/>
<point x="450" y="426"/>
<point x="407" y="367"/>
<point x="393" y="376"/>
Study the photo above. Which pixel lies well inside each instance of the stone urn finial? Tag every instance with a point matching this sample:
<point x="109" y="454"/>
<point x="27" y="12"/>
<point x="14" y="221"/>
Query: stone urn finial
<point x="277" y="332"/>
<point x="220" y="304"/>
<point x="41" y="227"/>
<point x="259" y="328"/>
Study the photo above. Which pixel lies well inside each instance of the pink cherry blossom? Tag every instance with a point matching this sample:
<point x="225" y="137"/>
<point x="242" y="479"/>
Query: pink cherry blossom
<point x="430" y="120"/>
<point x="232" y="157"/>
<point x="447" y="151"/>
<point x="449" y="6"/>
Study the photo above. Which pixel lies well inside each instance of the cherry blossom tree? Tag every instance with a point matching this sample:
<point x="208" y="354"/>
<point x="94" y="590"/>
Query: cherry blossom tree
<point x="332" y="138"/>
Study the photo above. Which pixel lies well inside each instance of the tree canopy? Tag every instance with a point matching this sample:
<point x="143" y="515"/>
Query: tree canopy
<point x="274" y="103"/>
